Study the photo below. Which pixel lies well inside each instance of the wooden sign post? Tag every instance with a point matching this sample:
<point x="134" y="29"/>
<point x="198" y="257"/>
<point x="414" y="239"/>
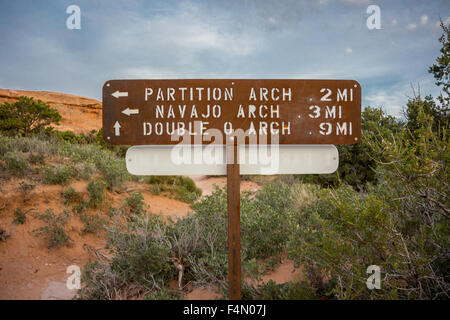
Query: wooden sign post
<point x="163" y="119"/>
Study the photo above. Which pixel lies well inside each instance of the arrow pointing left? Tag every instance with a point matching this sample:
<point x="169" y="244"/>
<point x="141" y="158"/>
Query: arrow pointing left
<point x="116" y="94"/>
<point x="117" y="127"/>
<point x="129" y="111"/>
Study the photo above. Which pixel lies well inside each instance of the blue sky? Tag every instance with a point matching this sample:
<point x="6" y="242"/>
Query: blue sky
<point x="222" y="39"/>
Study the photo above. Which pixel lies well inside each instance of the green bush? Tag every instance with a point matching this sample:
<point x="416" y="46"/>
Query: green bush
<point x="36" y="158"/>
<point x="20" y="217"/>
<point x="135" y="203"/>
<point x="181" y="188"/>
<point x="26" y="116"/>
<point x="93" y="223"/>
<point x="58" y="175"/>
<point x="70" y="195"/>
<point x="114" y="172"/>
<point x="284" y="291"/>
<point x="96" y="192"/>
<point x="54" y="233"/>
<point x="139" y="256"/>
<point x="81" y="207"/>
<point x="15" y="164"/>
<point x="400" y="224"/>
<point x="164" y="294"/>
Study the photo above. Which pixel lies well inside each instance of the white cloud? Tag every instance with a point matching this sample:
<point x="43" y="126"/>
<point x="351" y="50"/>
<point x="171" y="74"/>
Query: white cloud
<point x="411" y="27"/>
<point x="348" y="51"/>
<point x="424" y="19"/>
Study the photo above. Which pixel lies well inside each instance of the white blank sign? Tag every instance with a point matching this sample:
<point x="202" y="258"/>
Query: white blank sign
<point x="211" y="160"/>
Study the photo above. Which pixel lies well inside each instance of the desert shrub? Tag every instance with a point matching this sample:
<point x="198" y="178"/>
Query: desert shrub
<point x="400" y="224"/>
<point x="114" y="211"/>
<point x="54" y="233"/>
<point x="3" y="234"/>
<point x="58" y="175"/>
<point x="75" y="138"/>
<point x="70" y="195"/>
<point x="15" y="163"/>
<point x="80" y="207"/>
<point x="19" y="216"/>
<point x="115" y="175"/>
<point x="26" y="187"/>
<point x="181" y="188"/>
<point x="357" y="164"/>
<point x="36" y="158"/>
<point x="93" y="223"/>
<point x="164" y="294"/>
<point x="139" y="255"/>
<point x="154" y="189"/>
<point x="84" y="170"/>
<point x="266" y="220"/>
<point x="285" y="291"/>
<point x="26" y="116"/>
<point x="134" y="203"/>
<point x="99" y="282"/>
<point x="96" y="192"/>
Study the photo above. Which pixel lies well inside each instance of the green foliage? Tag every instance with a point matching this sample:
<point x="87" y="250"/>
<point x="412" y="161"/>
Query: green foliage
<point x="441" y="69"/>
<point x="99" y="282"/>
<point x="139" y="257"/>
<point x="81" y="207"/>
<point x="182" y="188"/>
<point x="70" y="196"/>
<point x="135" y="203"/>
<point x="75" y="138"/>
<point x="428" y="107"/>
<point x="26" y="116"/>
<point x="15" y="164"/>
<point x="54" y="233"/>
<point x="115" y="174"/>
<point x="285" y="291"/>
<point x="164" y="294"/>
<point x="400" y="224"/>
<point x="96" y="192"/>
<point x="20" y="217"/>
<point x="36" y="158"/>
<point x="357" y="164"/>
<point x="265" y="220"/>
<point x="59" y="174"/>
<point x="93" y="223"/>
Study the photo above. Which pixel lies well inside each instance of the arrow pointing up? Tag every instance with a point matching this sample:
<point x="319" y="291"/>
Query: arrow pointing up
<point x="129" y="111"/>
<point x="116" y="94"/>
<point x="117" y="127"/>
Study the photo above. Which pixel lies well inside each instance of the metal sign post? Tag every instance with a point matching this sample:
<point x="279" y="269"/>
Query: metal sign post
<point x="234" y="222"/>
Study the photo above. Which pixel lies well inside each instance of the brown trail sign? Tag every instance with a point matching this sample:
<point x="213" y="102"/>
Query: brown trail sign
<point x="149" y="112"/>
<point x="201" y="111"/>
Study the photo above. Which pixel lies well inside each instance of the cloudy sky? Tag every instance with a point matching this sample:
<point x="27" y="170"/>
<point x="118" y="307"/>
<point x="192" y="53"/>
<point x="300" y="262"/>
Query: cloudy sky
<point x="320" y="39"/>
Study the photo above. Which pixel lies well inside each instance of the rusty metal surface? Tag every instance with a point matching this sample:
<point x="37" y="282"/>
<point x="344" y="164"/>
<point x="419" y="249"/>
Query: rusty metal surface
<point x="304" y="111"/>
